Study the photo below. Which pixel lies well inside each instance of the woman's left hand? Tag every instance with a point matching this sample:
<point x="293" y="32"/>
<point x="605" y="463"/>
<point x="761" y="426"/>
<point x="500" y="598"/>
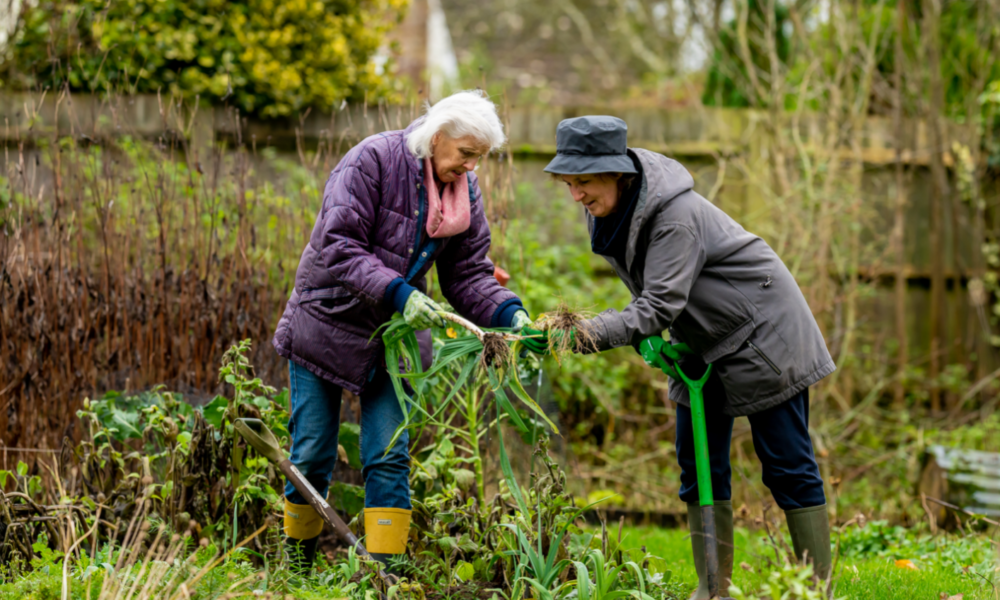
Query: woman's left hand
<point x="421" y="312"/>
<point x="520" y="321"/>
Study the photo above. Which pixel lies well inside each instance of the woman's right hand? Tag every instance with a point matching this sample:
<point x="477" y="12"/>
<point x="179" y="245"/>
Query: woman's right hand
<point x="535" y="340"/>
<point x="420" y="312"/>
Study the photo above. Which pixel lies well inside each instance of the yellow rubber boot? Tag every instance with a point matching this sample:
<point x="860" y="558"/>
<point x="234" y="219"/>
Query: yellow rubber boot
<point x="302" y="528"/>
<point x="387" y="531"/>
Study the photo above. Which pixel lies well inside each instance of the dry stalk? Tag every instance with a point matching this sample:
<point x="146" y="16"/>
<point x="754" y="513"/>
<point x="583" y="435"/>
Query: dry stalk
<point x="208" y="567"/>
<point x="76" y="544"/>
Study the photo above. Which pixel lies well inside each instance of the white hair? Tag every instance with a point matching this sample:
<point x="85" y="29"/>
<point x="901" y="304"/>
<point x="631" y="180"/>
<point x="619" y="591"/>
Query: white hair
<point x="461" y="114"/>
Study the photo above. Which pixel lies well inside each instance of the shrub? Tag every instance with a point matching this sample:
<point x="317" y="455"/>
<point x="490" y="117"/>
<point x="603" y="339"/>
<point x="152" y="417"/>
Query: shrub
<point x="268" y="57"/>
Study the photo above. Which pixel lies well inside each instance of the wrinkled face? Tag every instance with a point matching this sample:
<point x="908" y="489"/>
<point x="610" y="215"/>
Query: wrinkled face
<point x="453" y="157"/>
<point x="598" y="193"/>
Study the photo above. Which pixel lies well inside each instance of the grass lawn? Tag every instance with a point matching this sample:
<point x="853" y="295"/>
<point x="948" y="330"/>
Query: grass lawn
<point x="857" y="578"/>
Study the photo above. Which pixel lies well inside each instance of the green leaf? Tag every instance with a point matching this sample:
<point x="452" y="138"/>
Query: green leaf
<point x="582" y="581"/>
<point x="509" y="409"/>
<point x="658" y="566"/>
<point x="515" y="384"/>
<point x="22" y="468"/>
<point x="282" y="399"/>
<point x="127" y="423"/>
<point x="447" y="543"/>
<point x="508" y="474"/>
<point x="350" y="438"/>
<point x="464" y="571"/>
<point x="215" y="410"/>
<point x="464" y="478"/>
<point x="346" y="498"/>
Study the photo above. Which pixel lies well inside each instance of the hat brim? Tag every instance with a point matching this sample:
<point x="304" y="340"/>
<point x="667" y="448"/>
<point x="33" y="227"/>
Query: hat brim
<point x="582" y="164"/>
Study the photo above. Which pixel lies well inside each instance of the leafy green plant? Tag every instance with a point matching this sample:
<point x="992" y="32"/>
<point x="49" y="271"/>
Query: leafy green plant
<point x="471" y="367"/>
<point x="544" y="567"/>
<point x="191" y="464"/>
<point x="268" y="58"/>
<point x="788" y="581"/>
<point x="607" y="582"/>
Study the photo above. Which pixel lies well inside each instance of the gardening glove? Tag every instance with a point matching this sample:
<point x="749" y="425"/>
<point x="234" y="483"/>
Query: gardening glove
<point x="655" y="348"/>
<point x="538" y="342"/>
<point x="420" y="312"/>
<point x="521" y="320"/>
<point x="557" y="337"/>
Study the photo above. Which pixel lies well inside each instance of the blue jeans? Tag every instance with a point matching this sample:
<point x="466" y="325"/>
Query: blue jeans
<point x="780" y="438"/>
<point x="315" y="423"/>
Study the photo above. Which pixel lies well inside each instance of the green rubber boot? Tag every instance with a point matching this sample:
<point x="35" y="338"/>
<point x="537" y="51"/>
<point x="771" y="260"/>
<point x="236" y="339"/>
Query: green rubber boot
<point x="810" y="529"/>
<point x="724" y="531"/>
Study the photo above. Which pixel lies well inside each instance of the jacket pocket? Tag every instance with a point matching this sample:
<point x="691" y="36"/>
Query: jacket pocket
<point x="716" y="316"/>
<point x="764" y="357"/>
<point x="333" y="292"/>
<point x="334" y="305"/>
<point x="730" y="343"/>
<point x="759" y="367"/>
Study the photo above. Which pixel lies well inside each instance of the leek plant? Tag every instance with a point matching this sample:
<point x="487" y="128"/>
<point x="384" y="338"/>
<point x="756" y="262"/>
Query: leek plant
<point x="469" y="369"/>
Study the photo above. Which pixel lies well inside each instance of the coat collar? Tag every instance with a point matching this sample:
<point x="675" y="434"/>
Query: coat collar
<point x="662" y="180"/>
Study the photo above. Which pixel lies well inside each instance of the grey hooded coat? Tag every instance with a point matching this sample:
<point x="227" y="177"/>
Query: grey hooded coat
<point x="695" y="271"/>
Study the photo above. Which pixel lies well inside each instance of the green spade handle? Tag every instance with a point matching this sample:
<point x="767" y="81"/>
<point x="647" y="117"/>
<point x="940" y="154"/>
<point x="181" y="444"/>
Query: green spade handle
<point x="659" y="353"/>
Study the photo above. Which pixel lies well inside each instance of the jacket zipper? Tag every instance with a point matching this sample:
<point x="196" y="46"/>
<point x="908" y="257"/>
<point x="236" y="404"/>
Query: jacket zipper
<point x="761" y="354"/>
<point x="421" y="217"/>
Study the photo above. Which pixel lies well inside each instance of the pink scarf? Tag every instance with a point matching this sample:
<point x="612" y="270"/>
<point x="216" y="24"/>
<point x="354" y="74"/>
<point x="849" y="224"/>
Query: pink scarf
<point x="448" y="212"/>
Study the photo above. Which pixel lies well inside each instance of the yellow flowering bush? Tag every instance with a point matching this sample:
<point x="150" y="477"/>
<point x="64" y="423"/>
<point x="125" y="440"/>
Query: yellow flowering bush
<point x="268" y="57"/>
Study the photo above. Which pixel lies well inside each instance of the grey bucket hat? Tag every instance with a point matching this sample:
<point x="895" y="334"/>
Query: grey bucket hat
<point x="594" y="144"/>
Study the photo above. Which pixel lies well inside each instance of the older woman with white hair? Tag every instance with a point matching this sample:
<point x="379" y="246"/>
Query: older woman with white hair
<point x="396" y="204"/>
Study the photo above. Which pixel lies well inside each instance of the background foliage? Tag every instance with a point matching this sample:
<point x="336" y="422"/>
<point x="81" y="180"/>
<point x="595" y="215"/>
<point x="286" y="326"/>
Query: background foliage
<point x="267" y="57"/>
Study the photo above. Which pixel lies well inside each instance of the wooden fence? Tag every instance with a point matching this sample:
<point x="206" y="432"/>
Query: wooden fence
<point x="703" y="138"/>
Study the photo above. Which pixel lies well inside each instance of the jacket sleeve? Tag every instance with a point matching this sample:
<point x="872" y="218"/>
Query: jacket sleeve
<point x="350" y="211"/>
<point x="466" y="273"/>
<point x="674" y="258"/>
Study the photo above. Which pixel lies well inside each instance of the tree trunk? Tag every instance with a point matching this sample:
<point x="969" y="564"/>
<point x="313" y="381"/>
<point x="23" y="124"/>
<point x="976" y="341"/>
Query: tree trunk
<point x="939" y="193"/>
<point x="899" y="222"/>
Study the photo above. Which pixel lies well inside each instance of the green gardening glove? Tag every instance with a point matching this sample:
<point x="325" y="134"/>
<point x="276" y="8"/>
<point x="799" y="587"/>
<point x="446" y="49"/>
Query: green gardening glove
<point x="420" y="312"/>
<point x="537" y="341"/>
<point x="655" y="351"/>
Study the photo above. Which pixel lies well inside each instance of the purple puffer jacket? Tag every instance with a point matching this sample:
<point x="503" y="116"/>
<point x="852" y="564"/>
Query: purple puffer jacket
<point x="366" y="235"/>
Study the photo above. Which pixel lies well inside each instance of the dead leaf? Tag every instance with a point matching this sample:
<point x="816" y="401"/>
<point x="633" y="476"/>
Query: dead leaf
<point x="906" y="563"/>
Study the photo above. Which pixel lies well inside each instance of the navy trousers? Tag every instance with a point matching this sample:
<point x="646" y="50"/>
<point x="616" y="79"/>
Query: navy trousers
<point x="780" y="438"/>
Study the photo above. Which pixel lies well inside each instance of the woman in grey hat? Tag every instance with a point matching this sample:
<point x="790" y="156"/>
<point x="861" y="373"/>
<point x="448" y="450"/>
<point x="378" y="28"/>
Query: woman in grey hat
<point x="694" y="271"/>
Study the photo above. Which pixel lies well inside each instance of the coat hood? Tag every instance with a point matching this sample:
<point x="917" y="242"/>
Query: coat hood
<point x="663" y="179"/>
